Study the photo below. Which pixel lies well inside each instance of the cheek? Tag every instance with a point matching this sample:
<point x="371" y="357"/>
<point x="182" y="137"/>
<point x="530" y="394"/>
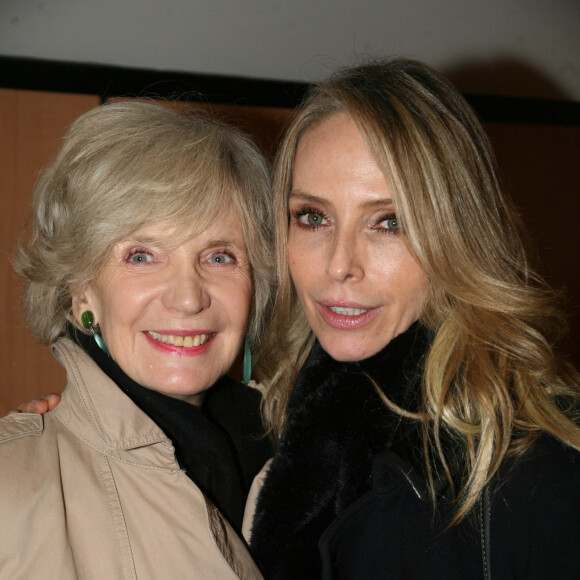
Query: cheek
<point x="385" y="270"/>
<point x="102" y="307"/>
<point x="122" y="306"/>
<point x="416" y="288"/>
<point x="119" y="306"/>
<point x="236" y="297"/>
<point x="299" y="261"/>
<point x="399" y="274"/>
<point x="298" y="278"/>
<point x="394" y="260"/>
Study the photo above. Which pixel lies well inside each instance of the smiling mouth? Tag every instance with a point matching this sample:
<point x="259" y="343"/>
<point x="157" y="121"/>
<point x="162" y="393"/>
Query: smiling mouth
<point x="347" y="311"/>
<point x="176" y="340"/>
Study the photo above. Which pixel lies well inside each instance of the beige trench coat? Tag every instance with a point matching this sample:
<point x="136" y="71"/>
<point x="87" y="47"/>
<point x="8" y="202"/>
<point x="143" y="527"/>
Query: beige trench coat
<point x="92" y="490"/>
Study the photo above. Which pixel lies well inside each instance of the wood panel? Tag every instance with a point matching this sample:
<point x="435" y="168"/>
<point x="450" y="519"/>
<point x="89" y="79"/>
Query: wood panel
<point x="265" y="124"/>
<point x="31" y="128"/>
<point x="540" y="169"/>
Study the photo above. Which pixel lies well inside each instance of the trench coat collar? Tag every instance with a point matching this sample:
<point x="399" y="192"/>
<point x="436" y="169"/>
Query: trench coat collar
<point x="97" y="410"/>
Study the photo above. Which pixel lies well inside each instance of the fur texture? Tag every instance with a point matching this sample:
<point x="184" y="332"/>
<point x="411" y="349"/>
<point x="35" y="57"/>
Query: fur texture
<point x="336" y="424"/>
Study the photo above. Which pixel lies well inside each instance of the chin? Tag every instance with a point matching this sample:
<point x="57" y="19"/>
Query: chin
<point x="182" y="386"/>
<point x="350" y="351"/>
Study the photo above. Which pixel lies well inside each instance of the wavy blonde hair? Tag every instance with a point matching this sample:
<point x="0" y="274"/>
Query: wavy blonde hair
<point x="491" y="378"/>
<point x="126" y="165"/>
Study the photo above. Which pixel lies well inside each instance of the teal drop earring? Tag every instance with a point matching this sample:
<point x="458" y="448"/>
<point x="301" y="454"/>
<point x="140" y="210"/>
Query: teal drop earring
<point x="247" y="362"/>
<point x="88" y="322"/>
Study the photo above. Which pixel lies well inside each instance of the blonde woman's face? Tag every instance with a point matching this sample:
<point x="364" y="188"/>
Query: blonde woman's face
<point x="358" y="284"/>
<point x="174" y="318"/>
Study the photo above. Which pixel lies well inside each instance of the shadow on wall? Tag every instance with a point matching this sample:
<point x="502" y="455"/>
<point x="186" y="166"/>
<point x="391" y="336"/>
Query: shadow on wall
<point x="507" y="77"/>
<point x="539" y="169"/>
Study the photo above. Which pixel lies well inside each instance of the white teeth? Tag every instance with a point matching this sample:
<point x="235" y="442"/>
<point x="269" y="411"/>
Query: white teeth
<point x="347" y="311"/>
<point x="175" y="340"/>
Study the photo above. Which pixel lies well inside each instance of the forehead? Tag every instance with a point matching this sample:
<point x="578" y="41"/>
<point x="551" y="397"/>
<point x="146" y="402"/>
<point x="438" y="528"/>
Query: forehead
<point x="333" y="161"/>
<point x="325" y="133"/>
<point x="224" y="227"/>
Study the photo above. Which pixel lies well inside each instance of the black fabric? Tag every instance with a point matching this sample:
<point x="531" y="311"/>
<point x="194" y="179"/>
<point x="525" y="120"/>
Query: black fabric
<point x="337" y="422"/>
<point x="534" y="526"/>
<point x="220" y="446"/>
<point x="345" y="497"/>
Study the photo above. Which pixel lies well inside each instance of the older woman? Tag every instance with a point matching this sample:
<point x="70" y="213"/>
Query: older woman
<point x="147" y="269"/>
<point x="426" y="428"/>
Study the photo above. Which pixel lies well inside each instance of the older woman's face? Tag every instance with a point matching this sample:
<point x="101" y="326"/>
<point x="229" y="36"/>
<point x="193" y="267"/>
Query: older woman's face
<point x="357" y="282"/>
<point x="174" y="318"/>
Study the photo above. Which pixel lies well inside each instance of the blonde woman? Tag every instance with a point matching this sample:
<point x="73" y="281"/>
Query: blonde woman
<point x="426" y="428"/>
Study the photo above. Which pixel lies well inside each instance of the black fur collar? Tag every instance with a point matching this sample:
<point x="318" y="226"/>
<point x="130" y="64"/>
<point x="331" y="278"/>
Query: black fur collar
<point x="336" y="424"/>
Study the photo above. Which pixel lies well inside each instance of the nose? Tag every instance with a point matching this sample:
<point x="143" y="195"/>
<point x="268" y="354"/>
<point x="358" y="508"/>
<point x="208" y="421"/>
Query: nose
<point x="344" y="260"/>
<point x="186" y="291"/>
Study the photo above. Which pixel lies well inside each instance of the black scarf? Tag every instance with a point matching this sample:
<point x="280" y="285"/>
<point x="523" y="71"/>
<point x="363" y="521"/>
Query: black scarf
<point x="336" y="423"/>
<point x="220" y="446"/>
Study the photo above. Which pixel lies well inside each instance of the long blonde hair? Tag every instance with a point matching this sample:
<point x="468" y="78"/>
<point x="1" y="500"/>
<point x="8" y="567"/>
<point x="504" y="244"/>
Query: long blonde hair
<point x="490" y="378"/>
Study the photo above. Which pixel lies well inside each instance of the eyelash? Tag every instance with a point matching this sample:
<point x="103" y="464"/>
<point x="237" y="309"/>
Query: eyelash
<point x="298" y="213"/>
<point x="390" y="231"/>
<point x="137" y="252"/>
<point x="145" y="252"/>
<point x="223" y="253"/>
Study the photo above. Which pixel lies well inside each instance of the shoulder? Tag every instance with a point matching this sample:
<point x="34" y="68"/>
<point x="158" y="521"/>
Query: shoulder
<point x="20" y="425"/>
<point x="535" y="517"/>
<point x="548" y="466"/>
<point x="542" y="483"/>
<point x="26" y="449"/>
<point x="541" y="487"/>
<point x="27" y="441"/>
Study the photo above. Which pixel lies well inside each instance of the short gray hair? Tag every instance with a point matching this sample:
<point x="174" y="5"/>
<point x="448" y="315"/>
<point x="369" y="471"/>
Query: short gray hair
<point x="123" y="166"/>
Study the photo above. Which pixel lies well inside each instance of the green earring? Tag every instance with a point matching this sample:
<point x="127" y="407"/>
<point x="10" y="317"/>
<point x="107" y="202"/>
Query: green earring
<point x="247" y="362"/>
<point x="88" y="322"/>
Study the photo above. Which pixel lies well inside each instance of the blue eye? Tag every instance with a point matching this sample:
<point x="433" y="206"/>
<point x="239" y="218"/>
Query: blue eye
<point x="221" y="258"/>
<point x="139" y="257"/>
<point x="390" y="224"/>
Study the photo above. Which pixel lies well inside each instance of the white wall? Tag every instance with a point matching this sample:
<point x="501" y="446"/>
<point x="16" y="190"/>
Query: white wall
<point x="517" y="47"/>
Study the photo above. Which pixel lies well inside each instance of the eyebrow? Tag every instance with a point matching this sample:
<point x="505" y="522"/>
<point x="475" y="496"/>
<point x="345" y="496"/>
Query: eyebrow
<point x="226" y="243"/>
<point x="140" y="240"/>
<point x="157" y="241"/>
<point x="309" y="198"/>
<point x="146" y="239"/>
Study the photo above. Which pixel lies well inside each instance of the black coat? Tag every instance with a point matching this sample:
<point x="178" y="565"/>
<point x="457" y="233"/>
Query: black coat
<point x="534" y="525"/>
<point x="339" y="501"/>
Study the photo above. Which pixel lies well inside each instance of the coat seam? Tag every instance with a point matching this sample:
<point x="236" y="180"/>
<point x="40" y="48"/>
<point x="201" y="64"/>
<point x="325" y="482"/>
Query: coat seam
<point x="123" y="542"/>
<point x="219" y="537"/>
<point x="110" y="455"/>
<point x="19" y="436"/>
